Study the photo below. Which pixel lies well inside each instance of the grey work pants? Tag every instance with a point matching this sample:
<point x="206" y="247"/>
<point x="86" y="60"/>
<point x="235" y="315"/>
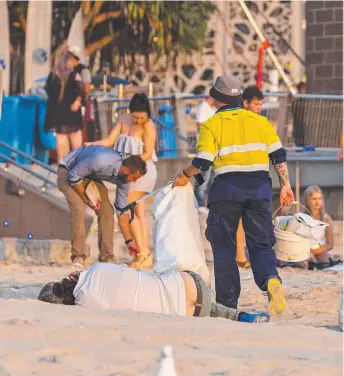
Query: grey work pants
<point x="77" y="210"/>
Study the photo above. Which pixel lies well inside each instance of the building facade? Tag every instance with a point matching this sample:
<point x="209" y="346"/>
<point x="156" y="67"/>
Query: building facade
<point x="324" y="46"/>
<point x="231" y="47"/>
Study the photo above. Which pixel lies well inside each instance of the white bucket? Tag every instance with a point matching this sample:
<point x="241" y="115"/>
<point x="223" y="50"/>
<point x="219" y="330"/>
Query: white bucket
<point x="291" y="247"/>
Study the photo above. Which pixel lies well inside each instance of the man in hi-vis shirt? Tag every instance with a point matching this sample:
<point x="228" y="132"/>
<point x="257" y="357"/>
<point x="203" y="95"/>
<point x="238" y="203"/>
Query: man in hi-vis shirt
<point x="239" y="144"/>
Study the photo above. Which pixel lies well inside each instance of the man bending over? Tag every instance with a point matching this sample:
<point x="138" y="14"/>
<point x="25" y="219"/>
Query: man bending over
<point x="116" y="287"/>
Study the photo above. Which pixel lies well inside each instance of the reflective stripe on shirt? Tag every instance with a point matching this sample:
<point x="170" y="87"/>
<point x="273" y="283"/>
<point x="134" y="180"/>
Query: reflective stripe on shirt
<point x="236" y="140"/>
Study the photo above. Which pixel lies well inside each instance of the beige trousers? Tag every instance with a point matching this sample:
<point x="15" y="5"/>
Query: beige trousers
<point x="77" y="209"/>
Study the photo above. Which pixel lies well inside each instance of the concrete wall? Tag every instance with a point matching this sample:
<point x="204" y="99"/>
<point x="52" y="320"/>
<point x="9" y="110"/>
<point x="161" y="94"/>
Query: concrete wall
<point x="324" y="46"/>
<point x="47" y="217"/>
<point x="36" y="213"/>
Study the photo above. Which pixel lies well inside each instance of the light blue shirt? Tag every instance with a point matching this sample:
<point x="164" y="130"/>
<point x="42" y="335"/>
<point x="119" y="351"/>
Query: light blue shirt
<point x="97" y="163"/>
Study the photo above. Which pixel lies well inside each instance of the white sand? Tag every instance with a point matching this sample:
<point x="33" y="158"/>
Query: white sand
<point x="43" y="339"/>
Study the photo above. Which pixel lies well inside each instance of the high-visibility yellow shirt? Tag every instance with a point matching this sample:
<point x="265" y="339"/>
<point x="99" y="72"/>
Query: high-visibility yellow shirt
<point x="237" y="140"/>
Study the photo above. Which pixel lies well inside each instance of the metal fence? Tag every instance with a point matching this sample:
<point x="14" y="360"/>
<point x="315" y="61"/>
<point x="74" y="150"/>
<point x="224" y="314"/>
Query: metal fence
<point x="10" y="159"/>
<point x="108" y="110"/>
<point x="306" y="119"/>
<point x="299" y="120"/>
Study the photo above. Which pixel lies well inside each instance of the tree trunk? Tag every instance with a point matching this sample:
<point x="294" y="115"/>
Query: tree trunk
<point x="63" y="15"/>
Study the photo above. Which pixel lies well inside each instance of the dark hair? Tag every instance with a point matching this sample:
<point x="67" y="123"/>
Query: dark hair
<point x="59" y="292"/>
<point x="140" y="103"/>
<point x="234" y="101"/>
<point x="252" y="92"/>
<point x="135" y="163"/>
<point x="301" y="85"/>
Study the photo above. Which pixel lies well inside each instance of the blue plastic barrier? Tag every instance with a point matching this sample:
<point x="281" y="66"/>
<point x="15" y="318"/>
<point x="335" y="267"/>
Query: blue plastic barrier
<point x="6" y="124"/>
<point x="167" y="137"/>
<point x="17" y="125"/>
<point x="22" y="127"/>
<point x="42" y="155"/>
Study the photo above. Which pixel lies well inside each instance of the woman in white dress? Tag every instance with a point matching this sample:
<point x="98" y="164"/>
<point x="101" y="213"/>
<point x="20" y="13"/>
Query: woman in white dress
<point x="135" y="134"/>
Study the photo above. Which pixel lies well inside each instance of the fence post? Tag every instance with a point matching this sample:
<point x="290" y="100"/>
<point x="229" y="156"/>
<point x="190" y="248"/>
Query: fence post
<point x="180" y="124"/>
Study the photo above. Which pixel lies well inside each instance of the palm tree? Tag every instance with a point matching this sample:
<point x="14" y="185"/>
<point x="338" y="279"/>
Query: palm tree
<point x="62" y="18"/>
<point x="123" y="30"/>
<point x="168" y="28"/>
<point x="127" y="29"/>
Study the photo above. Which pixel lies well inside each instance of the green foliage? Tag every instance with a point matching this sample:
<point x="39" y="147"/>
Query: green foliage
<point x="175" y="26"/>
<point x="132" y="27"/>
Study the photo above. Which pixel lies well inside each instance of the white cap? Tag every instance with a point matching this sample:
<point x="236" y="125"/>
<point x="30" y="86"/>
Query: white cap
<point x="74" y="50"/>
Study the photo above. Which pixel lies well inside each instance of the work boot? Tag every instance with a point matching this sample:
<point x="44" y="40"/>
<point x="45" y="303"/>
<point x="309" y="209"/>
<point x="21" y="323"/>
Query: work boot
<point x="277" y="301"/>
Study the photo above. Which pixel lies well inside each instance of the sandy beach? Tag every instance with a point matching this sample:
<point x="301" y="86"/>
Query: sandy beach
<point x="43" y="339"/>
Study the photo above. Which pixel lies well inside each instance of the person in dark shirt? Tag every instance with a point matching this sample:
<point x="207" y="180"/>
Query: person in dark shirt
<point x="65" y="96"/>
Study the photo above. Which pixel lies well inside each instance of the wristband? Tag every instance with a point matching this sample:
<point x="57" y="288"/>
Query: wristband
<point x="186" y="174"/>
<point x="128" y="241"/>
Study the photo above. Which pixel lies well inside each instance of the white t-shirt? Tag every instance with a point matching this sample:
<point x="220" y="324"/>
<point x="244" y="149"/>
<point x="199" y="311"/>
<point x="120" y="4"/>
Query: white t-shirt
<point x="204" y="111"/>
<point x="116" y="287"/>
<point x="86" y="76"/>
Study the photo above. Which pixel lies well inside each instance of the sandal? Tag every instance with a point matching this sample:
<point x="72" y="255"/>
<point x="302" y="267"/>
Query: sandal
<point x="299" y="264"/>
<point x="142" y="261"/>
<point x="323" y="265"/>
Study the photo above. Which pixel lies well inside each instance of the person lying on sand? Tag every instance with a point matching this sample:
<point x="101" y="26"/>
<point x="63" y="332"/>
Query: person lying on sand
<point x="117" y="287"/>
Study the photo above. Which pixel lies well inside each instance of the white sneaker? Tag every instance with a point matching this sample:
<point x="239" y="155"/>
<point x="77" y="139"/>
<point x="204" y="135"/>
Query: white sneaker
<point x="78" y="262"/>
<point x="203" y="210"/>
